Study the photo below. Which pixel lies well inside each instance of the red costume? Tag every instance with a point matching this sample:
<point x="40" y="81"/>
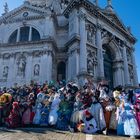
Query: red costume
<point x="14" y="118"/>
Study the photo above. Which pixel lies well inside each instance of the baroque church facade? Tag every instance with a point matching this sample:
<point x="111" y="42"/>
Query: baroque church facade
<point x="45" y="40"/>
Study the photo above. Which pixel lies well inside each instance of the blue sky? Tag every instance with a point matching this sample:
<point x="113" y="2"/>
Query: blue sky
<point x="127" y="10"/>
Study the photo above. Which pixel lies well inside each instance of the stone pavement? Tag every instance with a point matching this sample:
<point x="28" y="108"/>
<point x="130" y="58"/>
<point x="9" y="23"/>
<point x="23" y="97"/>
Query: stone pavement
<point x="50" y="134"/>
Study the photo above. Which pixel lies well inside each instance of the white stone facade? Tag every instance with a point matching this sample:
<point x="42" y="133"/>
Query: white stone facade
<point x="71" y="39"/>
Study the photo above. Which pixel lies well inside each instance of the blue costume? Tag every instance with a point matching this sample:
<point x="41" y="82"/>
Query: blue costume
<point x="45" y="116"/>
<point x="127" y="123"/>
<point x="64" y="114"/>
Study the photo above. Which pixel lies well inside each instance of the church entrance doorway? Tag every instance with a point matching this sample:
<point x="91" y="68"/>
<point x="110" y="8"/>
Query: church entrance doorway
<point x="108" y="65"/>
<point x="61" y="71"/>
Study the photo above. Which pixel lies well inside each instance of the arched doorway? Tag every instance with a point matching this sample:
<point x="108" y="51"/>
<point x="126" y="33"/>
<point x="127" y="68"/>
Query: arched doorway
<point x="61" y="71"/>
<point x="108" y="65"/>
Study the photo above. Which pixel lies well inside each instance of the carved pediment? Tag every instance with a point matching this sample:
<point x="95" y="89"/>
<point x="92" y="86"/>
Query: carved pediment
<point x="115" y="19"/>
<point x="24" y="12"/>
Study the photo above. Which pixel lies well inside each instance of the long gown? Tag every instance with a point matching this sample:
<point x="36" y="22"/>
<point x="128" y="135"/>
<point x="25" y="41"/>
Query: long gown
<point x="44" y="116"/>
<point x="127" y="123"/>
<point x="53" y="115"/>
<point x="137" y="109"/>
<point x="37" y="116"/>
<point x="14" y="119"/>
<point x="107" y="106"/>
<point x="97" y="111"/>
<point x="64" y="115"/>
<point x="26" y="117"/>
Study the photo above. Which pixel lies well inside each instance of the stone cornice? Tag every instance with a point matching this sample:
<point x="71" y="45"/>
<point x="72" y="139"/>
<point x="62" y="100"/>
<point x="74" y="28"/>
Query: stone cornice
<point x="25" y="19"/>
<point x="130" y="64"/>
<point x="36" y="53"/>
<point x="90" y="45"/>
<point x="75" y="38"/>
<point x="27" y="43"/>
<point x="23" y="43"/>
<point x="97" y="12"/>
<point x="60" y="50"/>
<point x="118" y="61"/>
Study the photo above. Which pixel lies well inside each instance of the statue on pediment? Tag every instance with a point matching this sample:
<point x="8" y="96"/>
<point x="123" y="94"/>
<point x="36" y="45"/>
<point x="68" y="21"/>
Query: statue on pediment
<point x="6" y="9"/>
<point x="58" y="6"/>
<point x="38" y="2"/>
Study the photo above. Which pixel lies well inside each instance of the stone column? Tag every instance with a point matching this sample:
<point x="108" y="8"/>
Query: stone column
<point x="83" y="41"/>
<point x="67" y="70"/>
<point x="95" y="71"/>
<point x="49" y="74"/>
<point x="44" y="66"/>
<point x="99" y="52"/>
<point x="29" y="68"/>
<point x="121" y="78"/>
<point x="73" y="23"/>
<point x="30" y="34"/>
<point x="115" y="77"/>
<point x="77" y="61"/>
<point x="18" y="35"/>
<point x="74" y="64"/>
<point x="11" y="74"/>
<point x="1" y="70"/>
<point x="126" y="71"/>
<point x="69" y="66"/>
<point x="136" y="83"/>
<point x="118" y="77"/>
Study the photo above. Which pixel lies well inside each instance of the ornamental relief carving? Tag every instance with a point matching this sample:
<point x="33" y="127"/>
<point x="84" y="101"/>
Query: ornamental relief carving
<point x="6" y="56"/>
<point x="36" y="70"/>
<point x="37" y="53"/>
<point x="110" y="37"/>
<point x="129" y="57"/>
<point x="21" y="66"/>
<point x="104" y="34"/>
<point x="131" y="73"/>
<point x="5" y="72"/>
<point x="82" y="15"/>
<point x="91" y="30"/>
<point x="91" y="62"/>
<point x="99" y="26"/>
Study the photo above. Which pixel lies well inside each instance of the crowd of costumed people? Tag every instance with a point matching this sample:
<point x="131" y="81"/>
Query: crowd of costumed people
<point x="66" y="106"/>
